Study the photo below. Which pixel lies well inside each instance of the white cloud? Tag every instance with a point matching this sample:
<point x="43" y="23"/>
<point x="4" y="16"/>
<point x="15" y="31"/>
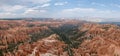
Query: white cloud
<point x="35" y="13"/>
<point x="27" y="13"/>
<point x="89" y="12"/>
<point x="8" y="8"/>
<point x="7" y="15"/>
<point x="23" y="2"/>
<point x="81" y="10"/>
<point x="37" y="1"/>
<point x="86" y="12"/>
<point x="60" y="3"/>
<point x="45" y="5"/>
<point x="9" y="11"/>
<point x="76" y="12"/>
<point x="116" y="5"/>
<point x="32" y="11"/>
<point x="98" y="4"/>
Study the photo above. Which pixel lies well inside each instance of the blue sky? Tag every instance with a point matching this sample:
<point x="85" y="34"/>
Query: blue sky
<point x="101" y="10"/>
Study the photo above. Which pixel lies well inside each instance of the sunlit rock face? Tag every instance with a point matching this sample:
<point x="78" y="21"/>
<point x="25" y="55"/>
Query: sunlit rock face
<point x="44" y="47"/>
<point x="58" y="38"/>
<point x="105" y="41"/>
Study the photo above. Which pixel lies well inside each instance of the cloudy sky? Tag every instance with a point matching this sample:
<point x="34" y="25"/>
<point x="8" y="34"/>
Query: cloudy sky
<point x="60" y="8"/>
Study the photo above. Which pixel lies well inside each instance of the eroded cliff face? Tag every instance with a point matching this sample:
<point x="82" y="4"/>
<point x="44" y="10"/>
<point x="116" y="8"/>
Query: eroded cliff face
<point x="58" y="38"/>
<point x="48" y="46"/>
<point x="104" y="42"/>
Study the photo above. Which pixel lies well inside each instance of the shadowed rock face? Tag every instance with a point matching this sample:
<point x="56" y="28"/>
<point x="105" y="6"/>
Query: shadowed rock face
<point x="58" y="38"/>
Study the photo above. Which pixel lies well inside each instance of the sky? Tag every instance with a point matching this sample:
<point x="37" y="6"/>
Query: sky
<point x="95" y="10"/>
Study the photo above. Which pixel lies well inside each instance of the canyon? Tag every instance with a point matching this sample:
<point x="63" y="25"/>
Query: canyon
<point x="58" y="38"/>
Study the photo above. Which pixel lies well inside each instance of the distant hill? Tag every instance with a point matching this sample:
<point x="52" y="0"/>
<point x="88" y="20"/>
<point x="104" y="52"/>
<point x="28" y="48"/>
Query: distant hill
<point x="116" y="23"/>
